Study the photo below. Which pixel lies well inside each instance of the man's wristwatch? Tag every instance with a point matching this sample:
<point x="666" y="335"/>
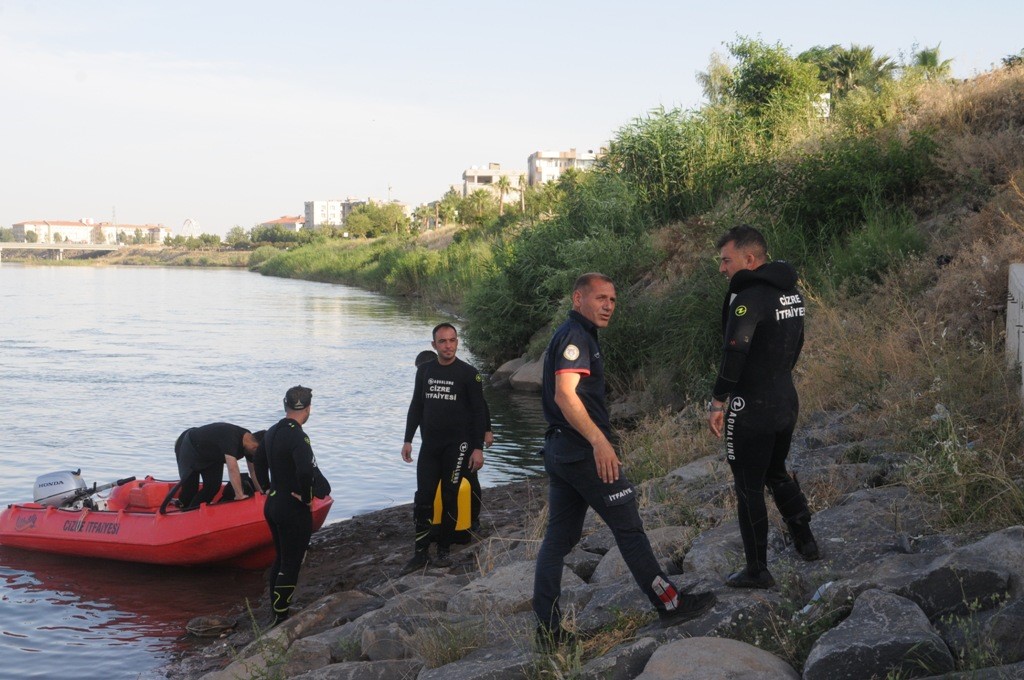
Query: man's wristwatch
<point x="716" y="409"/>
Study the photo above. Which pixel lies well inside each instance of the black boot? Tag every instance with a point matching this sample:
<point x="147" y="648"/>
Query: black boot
<point x="751" y="578"/>
<point x="803" y="539"/>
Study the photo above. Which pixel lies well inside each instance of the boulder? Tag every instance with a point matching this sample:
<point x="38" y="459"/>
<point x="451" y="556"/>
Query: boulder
<point x="622" y="663"/>
<point x="506" y="590"/>
<point x="884" y="633"/>
<point x="710" y="658"/>
<point x="365" y="670"/>
<point x="529" y="376"/>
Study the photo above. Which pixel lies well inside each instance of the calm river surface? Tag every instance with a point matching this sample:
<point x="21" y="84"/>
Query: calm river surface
<point x="102" y="368"/>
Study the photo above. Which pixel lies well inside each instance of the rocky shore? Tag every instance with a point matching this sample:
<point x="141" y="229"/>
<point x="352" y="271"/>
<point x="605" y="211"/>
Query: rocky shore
<point x="891" y="597"/>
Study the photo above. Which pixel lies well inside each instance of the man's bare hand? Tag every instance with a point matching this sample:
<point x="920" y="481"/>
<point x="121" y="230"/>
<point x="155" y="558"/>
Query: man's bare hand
<point x="407" y="452"/>
<point x="476" y="460"/>
<point x="716" y="421"/>
<point x="608" y="464"/>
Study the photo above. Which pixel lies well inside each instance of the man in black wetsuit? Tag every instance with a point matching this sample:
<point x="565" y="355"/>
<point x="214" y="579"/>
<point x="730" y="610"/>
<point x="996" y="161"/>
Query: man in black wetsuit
<point x="584" y="470"/>
<point x="472" y="476"/>
<point x="203" y="452"/>
<point x="285" y="465"/>
<point x="754" y="402"/>
<point x="448" y="408"/>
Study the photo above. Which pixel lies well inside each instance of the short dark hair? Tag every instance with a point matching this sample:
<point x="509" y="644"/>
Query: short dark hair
<point x="297" y="398"/>
<point x="585" y="280"/>
<point x="745" y="237"/>
<point x="445" y="324"/>
<point x="425" y="356"/>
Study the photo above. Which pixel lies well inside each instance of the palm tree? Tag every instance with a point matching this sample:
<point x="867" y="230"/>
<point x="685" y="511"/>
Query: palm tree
<point x="855" y="67"/>
<point x="504" y="185"/>
<point x="522" y="193"/>
<point x="927" y="60"/>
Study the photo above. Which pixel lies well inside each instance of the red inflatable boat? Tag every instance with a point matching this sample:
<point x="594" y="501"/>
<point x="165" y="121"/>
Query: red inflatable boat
<point x="136" y="523"/>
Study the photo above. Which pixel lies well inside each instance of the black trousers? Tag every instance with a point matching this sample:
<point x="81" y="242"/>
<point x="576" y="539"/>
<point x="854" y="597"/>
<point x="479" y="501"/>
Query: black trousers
<point x="190" y="469"/>
<point x="574" y="486"/>
<point x="443" y="463"/>
<point x="757" y="442"/>
<point x="291" y="526"/>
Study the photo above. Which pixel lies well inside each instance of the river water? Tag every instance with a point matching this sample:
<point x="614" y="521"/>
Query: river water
<point x="101" y="368"/>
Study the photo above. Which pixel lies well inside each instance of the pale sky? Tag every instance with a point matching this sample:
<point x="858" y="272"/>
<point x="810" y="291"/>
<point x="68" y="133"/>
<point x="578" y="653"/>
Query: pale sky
<point x="237" y="112"/>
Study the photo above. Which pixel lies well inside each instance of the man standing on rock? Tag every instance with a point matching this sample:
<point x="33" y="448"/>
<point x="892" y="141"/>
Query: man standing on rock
<point x="754" y="402"/>
<point x="449" y="410"/>
<point x="584" y="471"/>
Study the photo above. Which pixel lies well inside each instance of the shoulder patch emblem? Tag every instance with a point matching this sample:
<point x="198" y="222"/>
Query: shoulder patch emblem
<point x="478" y="378"/>
<point x="572" y="352"/>
<point x="741" y="310"/>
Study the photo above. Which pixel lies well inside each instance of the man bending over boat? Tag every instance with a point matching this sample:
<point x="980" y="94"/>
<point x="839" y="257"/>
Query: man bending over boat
<point x="203" y="452"/>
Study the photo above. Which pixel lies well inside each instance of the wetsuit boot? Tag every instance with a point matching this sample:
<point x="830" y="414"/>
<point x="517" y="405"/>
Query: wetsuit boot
<point x="803" y="539"/>
<point x="756" y="574"/>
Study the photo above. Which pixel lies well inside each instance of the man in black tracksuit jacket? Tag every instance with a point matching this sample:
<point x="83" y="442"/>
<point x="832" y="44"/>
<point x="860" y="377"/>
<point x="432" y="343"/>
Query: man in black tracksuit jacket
<point x="449" y="410"/>
<point x="285" y="465"/>
<point x="754" y="402"/>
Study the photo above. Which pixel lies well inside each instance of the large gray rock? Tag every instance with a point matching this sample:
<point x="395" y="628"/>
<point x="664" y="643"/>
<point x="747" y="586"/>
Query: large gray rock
<point x="1005" y="550"/>
<point x="485" y="664"/>
<point x="709" y="658"/>
<point x="605" y="604"/>
<point x="667" y="542"/>
<point x="1005" y="632"/>
<point x="506" y="590"/>
<point x="502" y="374"/>
<point x="365" y="670"/>
<point x="1013" y="671"/>
<point x="529" y="376"/>
<point x="622" y="663"/>
<point x="884" y="633"/>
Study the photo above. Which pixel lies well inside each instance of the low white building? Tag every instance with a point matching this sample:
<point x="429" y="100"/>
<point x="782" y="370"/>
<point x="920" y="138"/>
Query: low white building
<point x="548" y="166"/>
<point x="87" y="231"/>
<point x="289" y="222"/>
<point x="331" y="213"/>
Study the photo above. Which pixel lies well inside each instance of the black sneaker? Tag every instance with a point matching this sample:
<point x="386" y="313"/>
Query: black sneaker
<point x="688" y="608"/>
<point x="419" y="560"/>
<point x="443" y="559"/>
<point x="550" y="641"/>
<point x="750" y="579"/>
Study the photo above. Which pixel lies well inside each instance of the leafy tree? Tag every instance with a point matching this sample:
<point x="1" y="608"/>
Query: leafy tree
<point x="377" y="219"/>
<point x="237" y="236"/>
<point x="6" y="234"/>
<point x="31" y="236"/>
<point x="768" y="83"/>
<point x="96" y="235"/>
<point x="716" y="81"/>
<point x="273" y="234"/>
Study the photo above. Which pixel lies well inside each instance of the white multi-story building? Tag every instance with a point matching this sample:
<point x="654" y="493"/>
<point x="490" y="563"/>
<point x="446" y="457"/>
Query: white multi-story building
<point x="333" y="213"/>
<point x="548" y="166"/>
<point x="487" y="178"/>
<point x="87" y="231"/>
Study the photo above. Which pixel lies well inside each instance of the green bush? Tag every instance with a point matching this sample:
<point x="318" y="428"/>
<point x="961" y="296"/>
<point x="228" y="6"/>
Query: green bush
<point x="262" y="254"/>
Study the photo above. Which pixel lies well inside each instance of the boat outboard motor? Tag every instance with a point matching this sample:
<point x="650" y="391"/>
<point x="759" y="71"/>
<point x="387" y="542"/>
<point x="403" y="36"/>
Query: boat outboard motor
<point x="60" y="489"/>
<point x="67" y="489"/>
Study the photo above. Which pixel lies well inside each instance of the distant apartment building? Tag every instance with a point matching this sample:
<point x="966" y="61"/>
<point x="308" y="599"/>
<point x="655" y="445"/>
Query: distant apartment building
<point x="548" y="166"/>
<point x="87" y="231"/>
<point x="487" y="178"/>
<point x="291" y="223"/>
<point x="332" y="213"/>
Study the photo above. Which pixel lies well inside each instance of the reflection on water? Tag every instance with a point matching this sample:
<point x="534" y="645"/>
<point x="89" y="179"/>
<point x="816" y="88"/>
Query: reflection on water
<point x="102" y="368"/>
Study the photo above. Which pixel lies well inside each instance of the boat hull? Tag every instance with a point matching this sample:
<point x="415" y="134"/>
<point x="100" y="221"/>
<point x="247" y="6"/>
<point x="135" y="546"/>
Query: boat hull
<point x="132" y="529"/>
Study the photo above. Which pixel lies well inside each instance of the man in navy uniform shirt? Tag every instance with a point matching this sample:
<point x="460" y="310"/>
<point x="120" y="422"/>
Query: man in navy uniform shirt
<point x="584" y="471"/>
